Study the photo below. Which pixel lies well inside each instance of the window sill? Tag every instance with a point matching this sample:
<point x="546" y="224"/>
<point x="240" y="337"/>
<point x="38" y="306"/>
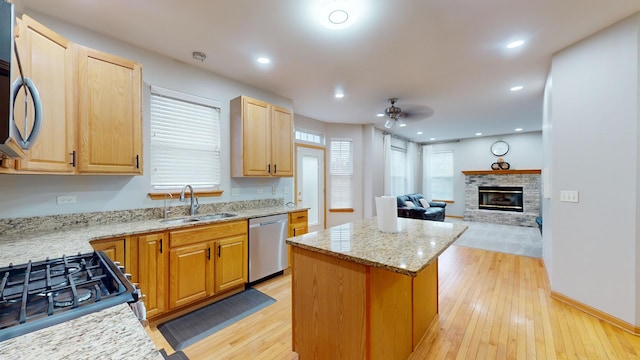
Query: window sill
<point x="345" y="210"/>
<point x="201" y="193"/>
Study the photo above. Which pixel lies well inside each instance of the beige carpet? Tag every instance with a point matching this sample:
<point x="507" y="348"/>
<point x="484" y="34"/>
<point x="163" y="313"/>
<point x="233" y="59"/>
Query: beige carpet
<point x="517" y="240"/>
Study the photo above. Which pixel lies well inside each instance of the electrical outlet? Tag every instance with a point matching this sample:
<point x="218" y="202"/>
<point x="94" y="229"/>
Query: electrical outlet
<point x="285" y="189"/>
<point x="70" y="199"/>
<point x="274" y="190"/>
<point x="569" y="196"/>
<point x="260" y="190"/>
<point x="235" y="192"/>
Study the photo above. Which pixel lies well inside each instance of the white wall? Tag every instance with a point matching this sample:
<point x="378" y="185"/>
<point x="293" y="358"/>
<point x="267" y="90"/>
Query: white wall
<point x="33" y="195"/>
<point x="595" y="151"/>
<point x="525" y="152"/>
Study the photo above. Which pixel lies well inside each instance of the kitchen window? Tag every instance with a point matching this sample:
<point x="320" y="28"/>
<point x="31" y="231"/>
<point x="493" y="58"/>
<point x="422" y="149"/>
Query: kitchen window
<point x="341" y="174"/>
<point x="185" y="141"/>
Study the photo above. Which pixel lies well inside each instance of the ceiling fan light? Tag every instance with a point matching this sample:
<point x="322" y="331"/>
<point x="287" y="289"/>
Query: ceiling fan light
<point x="388" y="124"/>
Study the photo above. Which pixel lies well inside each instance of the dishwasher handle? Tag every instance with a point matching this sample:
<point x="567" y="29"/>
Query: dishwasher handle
<point x="267" y="223"/>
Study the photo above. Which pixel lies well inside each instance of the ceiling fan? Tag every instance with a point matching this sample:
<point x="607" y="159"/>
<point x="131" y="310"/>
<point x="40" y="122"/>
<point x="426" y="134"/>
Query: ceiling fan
<point x="396" y="115"/>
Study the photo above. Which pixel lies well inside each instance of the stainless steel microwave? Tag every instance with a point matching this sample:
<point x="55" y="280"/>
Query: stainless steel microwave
<point x="13" y="138"/>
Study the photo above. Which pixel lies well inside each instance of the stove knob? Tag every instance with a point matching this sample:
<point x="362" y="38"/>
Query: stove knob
<point x="128" y="276"/>
<point x="116" y="263"/>
<point x="121" y="268"/>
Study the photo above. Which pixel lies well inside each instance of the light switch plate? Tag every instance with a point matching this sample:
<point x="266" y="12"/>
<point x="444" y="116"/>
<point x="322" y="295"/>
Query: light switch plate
<point x="274" y="190"/>
<point x="69" y="199"/>
<point x="260" y="190"/>
<point x="569" y="196"/>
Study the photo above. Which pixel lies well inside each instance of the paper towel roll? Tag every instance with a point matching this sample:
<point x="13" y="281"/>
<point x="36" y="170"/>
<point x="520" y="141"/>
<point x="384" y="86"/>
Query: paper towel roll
<point x="387" y="213"/>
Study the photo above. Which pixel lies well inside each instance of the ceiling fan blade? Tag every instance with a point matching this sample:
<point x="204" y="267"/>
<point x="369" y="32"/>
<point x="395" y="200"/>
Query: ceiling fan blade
<point x="417" y="112"/>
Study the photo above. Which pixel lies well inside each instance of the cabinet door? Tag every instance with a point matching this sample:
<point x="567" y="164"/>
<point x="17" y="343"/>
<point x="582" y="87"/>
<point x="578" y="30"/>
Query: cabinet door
<point x="113" y="248"/>
<point x="47" y="59"/>
<point x="281" y="141"/>
<point x="191" y="275"/>
<point x="256" y="141"/>
<point x="109" y="113"/>
<point x="231" y="262"/>
<point x="152" y="272"/>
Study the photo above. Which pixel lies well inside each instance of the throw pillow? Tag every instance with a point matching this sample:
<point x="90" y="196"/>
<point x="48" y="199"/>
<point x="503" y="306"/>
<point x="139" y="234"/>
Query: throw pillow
<point x="424" y="202"/>
<point x="409" y="204"/>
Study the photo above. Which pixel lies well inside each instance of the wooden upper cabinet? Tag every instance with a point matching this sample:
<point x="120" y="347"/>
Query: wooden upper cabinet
<point x="282" y="141"/>
<point x="261" y="139"/>
<point x="47" y="59"/>
<point x="109" y="113"/>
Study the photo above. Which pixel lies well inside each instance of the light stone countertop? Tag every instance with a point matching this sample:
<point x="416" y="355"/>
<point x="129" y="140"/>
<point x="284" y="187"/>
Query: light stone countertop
<point x="113" y="333"/>
<point x="416" y="244"/>
<point x="54" y="244"/>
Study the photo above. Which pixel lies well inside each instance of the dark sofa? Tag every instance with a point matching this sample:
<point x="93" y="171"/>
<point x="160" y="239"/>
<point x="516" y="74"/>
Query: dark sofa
<point x="434" y="212"/>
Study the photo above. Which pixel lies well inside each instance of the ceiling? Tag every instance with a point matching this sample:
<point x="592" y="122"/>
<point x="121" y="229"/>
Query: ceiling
<point x="446" y="55"/>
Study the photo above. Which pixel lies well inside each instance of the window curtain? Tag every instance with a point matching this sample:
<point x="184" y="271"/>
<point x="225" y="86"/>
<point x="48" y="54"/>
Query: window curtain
<point x="386" y="159"/>
<point x="412" y="163"/>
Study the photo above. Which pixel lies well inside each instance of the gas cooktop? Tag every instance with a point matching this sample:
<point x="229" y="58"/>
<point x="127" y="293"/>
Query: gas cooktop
<point x="39" y="294"/>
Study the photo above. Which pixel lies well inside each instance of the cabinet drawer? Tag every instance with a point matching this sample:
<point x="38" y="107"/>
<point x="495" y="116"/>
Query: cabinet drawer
<point x="298" y="217"/>
<point x="206" y="232"/>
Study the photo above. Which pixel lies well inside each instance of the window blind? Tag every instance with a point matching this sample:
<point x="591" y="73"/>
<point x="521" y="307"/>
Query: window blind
<point x="441" y="174"/>
<point x="185" y="141"/>
<point x="341" y="172"/>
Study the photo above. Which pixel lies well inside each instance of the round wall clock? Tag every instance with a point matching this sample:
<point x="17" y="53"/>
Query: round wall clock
<point x="499" y="148"/>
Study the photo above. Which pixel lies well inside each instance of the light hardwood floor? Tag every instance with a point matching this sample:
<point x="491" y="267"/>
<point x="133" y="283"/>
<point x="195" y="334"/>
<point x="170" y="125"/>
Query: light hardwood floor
<point x="492" y="306"/>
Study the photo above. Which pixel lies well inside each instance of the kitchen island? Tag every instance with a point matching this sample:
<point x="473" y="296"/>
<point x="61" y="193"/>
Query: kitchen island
<point x="359" y="293"/>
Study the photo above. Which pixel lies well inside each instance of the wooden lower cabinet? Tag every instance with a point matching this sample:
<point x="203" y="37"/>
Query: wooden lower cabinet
<point x="183" y="266"/>
<point x="152" y="271"/>
<point x="191" y="275"/>
<point x="206" y="260"/>
<point x="298" y="225"/>
<point x="231" y="262"/>
<point x="113" y="248"/>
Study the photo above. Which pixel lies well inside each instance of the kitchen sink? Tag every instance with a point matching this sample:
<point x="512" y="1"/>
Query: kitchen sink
<point x="215" y="216"/>
<point x="196" y="219"/>
<point x="179" y="221"/>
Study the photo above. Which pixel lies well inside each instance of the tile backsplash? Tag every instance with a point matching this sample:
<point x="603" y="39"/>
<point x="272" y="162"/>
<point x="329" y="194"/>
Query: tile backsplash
<point x="30" y="225"/>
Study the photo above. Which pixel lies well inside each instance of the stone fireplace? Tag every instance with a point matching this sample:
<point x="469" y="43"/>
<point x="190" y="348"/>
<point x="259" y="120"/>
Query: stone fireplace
<point x="510" y="197"/>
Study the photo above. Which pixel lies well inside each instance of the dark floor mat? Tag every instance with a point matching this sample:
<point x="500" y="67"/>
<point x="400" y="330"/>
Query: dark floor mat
<point x="188" y="329"/>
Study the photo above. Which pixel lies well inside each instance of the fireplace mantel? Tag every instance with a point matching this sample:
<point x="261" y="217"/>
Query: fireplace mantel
<point x="501" y="172"/>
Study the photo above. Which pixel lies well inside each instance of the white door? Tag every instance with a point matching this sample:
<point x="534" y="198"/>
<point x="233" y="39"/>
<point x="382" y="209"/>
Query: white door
<point x="310" y="184"/>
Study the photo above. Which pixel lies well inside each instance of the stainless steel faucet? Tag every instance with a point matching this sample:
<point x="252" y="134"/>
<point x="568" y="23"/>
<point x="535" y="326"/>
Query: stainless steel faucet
<point x="165" y="212"/>
<point x="194" y="200"/>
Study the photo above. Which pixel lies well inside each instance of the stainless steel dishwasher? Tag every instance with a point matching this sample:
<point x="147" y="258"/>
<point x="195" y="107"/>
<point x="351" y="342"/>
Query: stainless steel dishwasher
<point x="267" y="247"/>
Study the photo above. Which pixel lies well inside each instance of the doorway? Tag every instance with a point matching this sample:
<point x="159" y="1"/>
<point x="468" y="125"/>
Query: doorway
<point x="310" y="183"/>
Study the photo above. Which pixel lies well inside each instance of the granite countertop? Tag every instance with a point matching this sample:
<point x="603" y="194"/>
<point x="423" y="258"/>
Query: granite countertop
<point x="113" y="333"/>
<point x="416" y="244"/>
<point x="35" y="247"/>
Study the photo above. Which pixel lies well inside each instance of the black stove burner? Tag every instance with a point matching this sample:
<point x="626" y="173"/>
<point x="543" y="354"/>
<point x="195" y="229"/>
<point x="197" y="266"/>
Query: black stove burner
<point x="66" y="298"/>
<point x="36" y="295"/>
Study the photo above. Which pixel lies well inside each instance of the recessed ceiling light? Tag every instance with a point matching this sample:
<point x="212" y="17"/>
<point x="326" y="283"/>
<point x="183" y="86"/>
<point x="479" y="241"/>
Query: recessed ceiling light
<point x="517" y="88"/>
<point x="419" y="133"/>
<point x="338" y="14"/>
<point x="517" y="129"/>
<point x="432" y="139"/>
<point x="380" y="115"/>
<point x="515" y="44"/>
<point x="402" y="124"/>
<point x="339" y="95"/>
<point x="478" y="134"/>
<point x="264" y="60"/>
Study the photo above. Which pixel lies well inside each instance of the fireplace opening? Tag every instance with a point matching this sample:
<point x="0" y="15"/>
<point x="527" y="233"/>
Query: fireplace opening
<point x="501" y="198"/>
